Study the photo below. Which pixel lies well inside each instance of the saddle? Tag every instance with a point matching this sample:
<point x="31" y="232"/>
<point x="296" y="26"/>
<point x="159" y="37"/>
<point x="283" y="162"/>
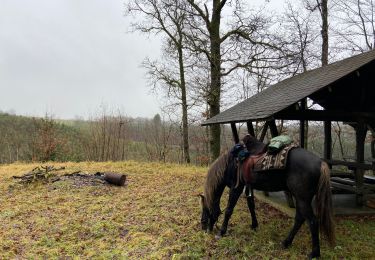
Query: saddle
<point x="248" y="166"/>
<point x="264" y="161"/>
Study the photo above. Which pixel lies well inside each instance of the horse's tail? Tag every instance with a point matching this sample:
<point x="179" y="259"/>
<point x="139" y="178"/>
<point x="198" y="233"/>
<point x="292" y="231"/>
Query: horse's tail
<point x="324" y="207"/>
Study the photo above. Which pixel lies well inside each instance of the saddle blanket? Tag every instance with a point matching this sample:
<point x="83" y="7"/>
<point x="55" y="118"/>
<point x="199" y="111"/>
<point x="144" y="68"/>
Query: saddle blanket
<point x="270" y="161"/>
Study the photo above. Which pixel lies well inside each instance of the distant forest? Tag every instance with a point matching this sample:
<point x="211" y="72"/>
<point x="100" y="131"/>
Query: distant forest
<point x="111" y="137"/>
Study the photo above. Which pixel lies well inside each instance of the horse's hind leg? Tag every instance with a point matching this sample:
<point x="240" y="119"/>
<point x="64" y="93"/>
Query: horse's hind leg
<point x="298" y="221"/>
<point x="307" y="213"/>
<point x="251" y="205"/>
<point x="314" y="230"/>
<point x="234" y="194"/>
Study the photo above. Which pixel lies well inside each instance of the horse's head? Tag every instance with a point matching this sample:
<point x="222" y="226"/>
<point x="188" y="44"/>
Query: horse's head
<point x="209" y="217"/>
<point x="205" y="213"/>
<point x="249" y="141"/>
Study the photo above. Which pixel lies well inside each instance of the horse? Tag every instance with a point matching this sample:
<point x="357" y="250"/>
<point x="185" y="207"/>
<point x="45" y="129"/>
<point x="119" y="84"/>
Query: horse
<point x="305" y="176"/>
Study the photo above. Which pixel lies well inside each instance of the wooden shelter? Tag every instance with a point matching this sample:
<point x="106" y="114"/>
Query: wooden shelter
<point x="346" y="92"/>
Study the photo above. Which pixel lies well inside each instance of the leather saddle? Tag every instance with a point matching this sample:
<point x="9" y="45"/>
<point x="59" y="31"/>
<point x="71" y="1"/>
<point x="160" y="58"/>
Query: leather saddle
<point x="248" y="167"/>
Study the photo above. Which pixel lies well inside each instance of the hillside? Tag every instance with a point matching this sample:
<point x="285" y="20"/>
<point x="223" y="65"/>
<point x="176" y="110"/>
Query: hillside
<point x="115" y="137"/>
<point x="156" y="216"/>
<point x="27" y="138"/>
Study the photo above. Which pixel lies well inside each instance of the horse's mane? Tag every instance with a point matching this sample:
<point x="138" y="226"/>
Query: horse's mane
<point x="214" y="177"/>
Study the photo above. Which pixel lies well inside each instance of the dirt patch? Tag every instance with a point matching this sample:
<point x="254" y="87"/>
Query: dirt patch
<point x="79" y="179"/>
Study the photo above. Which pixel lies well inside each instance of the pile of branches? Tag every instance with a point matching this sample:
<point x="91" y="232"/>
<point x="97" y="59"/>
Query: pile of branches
<point x="47" y="173"/>
<point x="40" y="173"/>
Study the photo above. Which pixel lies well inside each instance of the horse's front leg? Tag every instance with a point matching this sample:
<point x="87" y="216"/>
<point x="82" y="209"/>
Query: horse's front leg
<point x="234" y="194"/>
<point x="249" y="192"/>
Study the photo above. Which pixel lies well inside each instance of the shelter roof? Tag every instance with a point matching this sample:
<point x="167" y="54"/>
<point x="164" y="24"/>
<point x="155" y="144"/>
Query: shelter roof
<point x="289" y="91"/>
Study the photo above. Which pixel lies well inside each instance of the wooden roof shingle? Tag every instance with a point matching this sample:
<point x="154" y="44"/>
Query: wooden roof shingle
<point x="289" y="91"/>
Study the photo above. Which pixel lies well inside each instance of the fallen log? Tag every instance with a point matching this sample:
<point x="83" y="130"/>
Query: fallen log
<point x="115" y="178"/>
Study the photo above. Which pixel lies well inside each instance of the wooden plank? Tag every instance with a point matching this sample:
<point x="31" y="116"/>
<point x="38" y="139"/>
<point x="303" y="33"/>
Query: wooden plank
<point x="236" y="139"/>
<point x="351" y="165"/>
<point x="343" y="180"/>
<point x="343" y="187"/>
<point x="342" y="174"/>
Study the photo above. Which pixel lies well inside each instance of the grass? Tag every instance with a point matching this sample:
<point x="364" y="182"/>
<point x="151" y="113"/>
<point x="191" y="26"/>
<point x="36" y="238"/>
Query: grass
<point x="156" y="216"/>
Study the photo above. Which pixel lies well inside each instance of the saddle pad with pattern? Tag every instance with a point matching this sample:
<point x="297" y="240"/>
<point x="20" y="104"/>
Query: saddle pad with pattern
<point x="274" y="161"/>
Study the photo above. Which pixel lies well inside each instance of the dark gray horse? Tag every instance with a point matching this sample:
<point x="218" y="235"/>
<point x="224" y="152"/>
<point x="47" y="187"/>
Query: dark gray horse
<point x="305" y="176"/>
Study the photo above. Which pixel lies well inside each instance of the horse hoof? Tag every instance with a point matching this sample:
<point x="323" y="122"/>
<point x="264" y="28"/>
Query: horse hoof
<point x="218" y="236"/>
<point x="254" y="227"/>
<point x="313" y="256"/>
<point x="284" y="244"/>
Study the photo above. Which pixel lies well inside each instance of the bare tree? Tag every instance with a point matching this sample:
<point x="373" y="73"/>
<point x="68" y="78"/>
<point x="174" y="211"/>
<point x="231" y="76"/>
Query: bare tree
<point x="227" y="48"/>
<point x="322" y="7"/>
<point x="157" y="139"/>
<point x="167" y="17"/>
<point x="299" y="30"/>
<point x="107" y="136"/>
<point x="45" y="142"/>
<point x="355" y="25"/>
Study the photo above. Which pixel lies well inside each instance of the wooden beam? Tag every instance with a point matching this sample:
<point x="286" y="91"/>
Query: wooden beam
<point x="236" y="139"/>
<point x="351" y="165"/>
<point x="250" y="128"/>
<point x="324" y="115"/>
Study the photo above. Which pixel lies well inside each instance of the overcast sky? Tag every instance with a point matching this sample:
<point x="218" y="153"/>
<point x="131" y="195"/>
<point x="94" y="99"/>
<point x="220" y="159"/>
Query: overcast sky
<point x="68" y="57"/>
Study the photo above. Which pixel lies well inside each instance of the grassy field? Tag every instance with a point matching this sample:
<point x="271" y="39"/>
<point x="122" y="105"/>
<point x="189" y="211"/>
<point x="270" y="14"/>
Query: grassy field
<point x="156" y="216"/>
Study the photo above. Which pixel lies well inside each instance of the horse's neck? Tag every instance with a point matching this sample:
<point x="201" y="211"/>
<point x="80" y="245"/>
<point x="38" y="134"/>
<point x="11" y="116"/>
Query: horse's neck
<point x="256" y="147"/>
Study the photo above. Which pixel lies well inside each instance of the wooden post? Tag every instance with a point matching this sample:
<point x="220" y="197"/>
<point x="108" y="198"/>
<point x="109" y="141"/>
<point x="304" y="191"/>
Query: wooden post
<point x="360" y="133"/>
<point x="302" y="133"/>
<point x="273" y="128"/>
<point x="262" y="136"/>
<point x="303" y="125"/>
<point x="264" y="132"/>
<point x="288" y="195"/>
<point x="327" y="140"/>
<point x="373" y="153"/>
<point x="236" y="139"/>
<point x="250" y="128"/>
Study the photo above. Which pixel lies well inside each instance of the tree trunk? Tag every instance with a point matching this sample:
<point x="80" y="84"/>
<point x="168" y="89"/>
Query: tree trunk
<point x="185" y="126"/>
<point x="215" y="87"/>
<point x="324" y="32"/>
